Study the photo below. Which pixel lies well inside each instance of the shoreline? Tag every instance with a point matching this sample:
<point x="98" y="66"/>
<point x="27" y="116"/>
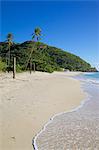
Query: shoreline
<point x="83" y="110"/>
<point x="87" y="98"/>
<point x="52" y="82"/>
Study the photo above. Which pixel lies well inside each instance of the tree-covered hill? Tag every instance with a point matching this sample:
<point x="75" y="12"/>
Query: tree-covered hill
<point x="46" y="58"/>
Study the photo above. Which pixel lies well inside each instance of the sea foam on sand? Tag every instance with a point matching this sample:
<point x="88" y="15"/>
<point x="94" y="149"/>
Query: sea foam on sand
<point x="78" y="129"/>
<point x="29" y="101"/>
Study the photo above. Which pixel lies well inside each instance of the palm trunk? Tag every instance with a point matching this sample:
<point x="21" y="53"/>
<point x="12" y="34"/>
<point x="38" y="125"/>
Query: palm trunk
<point x="34" y="67"/>
<point x="14" y="67"/>
<point x="30" y="66"/>
<point x="30" y="56"/>
<point x="9" y="57"/>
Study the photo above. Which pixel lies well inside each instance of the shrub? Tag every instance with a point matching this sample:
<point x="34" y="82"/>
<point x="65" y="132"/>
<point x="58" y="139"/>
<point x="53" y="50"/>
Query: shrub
<point x="45" y="68"/>
<point x="2" y="66"/>
<point x="19" y="68"/>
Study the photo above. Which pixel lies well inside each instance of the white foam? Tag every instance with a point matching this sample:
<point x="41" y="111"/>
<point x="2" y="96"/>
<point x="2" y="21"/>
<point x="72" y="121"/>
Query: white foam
<point x="51" y="119"/>
<point x="93" y="81"/>
<point x="89" y="73"/>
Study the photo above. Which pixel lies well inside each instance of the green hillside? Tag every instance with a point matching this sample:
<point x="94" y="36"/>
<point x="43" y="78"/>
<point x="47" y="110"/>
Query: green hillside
<point x="46" y="58"/>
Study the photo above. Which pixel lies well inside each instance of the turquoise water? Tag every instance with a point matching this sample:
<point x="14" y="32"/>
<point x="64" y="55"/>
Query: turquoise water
<point x="92" y="75"/>
<point x="89" y="77"/>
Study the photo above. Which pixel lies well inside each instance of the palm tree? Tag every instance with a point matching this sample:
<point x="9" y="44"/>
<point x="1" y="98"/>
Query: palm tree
<point x="10" y="42"/>
<point x="36" y="34"/>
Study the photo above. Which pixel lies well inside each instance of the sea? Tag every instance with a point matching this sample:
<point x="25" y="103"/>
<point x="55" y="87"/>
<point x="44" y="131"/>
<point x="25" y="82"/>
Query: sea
<point x="77" y="129"/>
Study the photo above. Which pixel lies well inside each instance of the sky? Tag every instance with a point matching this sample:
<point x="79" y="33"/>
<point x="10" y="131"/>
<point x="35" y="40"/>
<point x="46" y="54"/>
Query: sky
<point x="70" y="25"/>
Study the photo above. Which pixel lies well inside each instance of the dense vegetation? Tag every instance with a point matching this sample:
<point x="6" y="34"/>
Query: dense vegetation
<point x="45" y="58"/>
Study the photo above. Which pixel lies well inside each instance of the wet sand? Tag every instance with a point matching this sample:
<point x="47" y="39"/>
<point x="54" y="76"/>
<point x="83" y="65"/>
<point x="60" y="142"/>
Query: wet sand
<point x="76" y="130"/>
<point x="29" y="101"/>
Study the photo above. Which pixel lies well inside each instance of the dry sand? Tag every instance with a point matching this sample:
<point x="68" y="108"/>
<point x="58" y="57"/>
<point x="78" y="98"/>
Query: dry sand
<point x="29" y="101"/>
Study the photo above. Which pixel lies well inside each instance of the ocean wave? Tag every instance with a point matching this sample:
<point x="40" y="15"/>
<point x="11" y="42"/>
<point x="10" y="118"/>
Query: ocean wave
<point x="92" y="81"/>
<point x="87" y="79"/>
<point x="89" y="73"/>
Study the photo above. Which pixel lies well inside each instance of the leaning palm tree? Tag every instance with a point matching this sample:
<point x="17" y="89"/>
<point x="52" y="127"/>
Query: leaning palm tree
<point x="10" y="42"/>
<point x="35" y="36"/>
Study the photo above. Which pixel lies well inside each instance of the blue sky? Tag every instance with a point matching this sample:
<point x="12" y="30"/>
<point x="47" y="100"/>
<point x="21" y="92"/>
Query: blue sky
<point x="70" y="25"/>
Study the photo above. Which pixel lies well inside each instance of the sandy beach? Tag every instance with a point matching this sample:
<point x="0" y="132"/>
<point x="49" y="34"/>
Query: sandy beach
<point x="77" y="129"/>
<point x="29" y="101"/>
